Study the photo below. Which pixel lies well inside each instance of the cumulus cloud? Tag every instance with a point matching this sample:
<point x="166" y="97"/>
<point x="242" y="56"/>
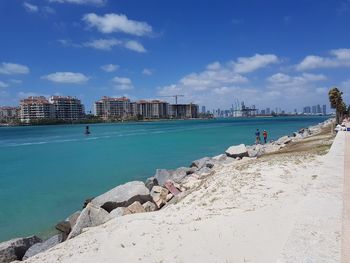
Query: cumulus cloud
<point x="81" y="2"/>
<point x="66" y="78"/>
<point x="337" y="58"/>
<point x="281" y="79"/>
<point x="110" y="67"/>
<point x="13" y="69"/>
<point x="30" y="7"/>
<point x="250" y="64"/>
<point x="134" y="46"/>
<point x="109" y="43"/>
<point x="3" y="84"/>
<point x="110" y="23"/>
<point x="147" y="71"/>
<point x="122" y="83"/>
<point x="103" y="44"/>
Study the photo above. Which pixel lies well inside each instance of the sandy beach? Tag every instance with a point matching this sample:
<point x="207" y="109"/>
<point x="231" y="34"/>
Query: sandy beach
<point x="282" y="207"/>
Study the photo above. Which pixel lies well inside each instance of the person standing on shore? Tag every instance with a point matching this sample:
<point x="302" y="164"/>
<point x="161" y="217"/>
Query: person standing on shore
<point x="257" y="136"/>
<point x="265" y="136"/>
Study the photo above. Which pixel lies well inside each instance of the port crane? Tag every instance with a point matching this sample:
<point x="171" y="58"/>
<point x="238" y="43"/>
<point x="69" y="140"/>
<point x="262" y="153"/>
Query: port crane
<point x="174" y="96"/>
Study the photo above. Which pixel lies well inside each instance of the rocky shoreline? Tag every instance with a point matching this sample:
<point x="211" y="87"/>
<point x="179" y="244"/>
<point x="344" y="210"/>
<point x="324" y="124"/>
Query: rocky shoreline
<point x="164" y="188"/>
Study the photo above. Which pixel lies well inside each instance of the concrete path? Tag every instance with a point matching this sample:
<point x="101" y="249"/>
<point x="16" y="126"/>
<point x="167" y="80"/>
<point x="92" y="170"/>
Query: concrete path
<point x="346" y="202"/>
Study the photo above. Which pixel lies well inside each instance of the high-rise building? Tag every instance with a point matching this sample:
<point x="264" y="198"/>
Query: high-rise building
<point x="183" y="111"/>
<point x="154" y="109"/>
<point x="203" y="109"/>
<point x="36" y="108"/>
<point x="9" y="113"/>
<point x="113" y="108"/>
<point x="67" y="108"/>
<point x="324" y="109"/>
<point x="307" y="110"/>
<point x="314" y="109"/>
<point x="268" y="111"/>
<point x="318" y="109"/>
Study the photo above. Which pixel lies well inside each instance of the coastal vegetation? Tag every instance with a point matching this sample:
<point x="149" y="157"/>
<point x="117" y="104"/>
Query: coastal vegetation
<point x="337" y="103"/>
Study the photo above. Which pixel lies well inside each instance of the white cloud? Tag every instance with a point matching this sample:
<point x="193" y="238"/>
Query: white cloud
<point x="281" y="79"/>
<point x="123" y="83"/>
<point x="110" y="67"/>
<point x="16" y="81"/>
<point x="110" y="23"/>
<point x="103" y="44"/>
<point x="81" y="2"/>
<point x="13" y="69"/>
<point x="3" y="84"/>
<point x="338" y="58"/>
<point x="250" y="64"/>
<point x="135" y="46"/>
<point x="108" y="44"/>
<point x="66" y="77"/>
<point x="30" y="7"/>
<point x="147" y="71"/>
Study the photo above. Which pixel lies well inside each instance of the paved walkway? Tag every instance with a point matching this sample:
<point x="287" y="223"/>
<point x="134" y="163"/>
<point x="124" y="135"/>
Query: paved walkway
<point x="346" y="202"/>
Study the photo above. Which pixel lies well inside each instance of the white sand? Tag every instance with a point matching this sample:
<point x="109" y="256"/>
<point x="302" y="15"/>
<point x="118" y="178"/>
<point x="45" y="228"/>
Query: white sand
<point x="282" y="208"/>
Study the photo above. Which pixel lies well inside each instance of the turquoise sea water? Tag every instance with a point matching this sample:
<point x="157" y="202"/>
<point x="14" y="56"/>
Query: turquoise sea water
<point x="46" y="172"/>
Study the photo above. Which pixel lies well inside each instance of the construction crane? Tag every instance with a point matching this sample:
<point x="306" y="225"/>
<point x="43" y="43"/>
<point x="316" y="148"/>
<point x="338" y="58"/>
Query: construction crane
<point x="174" y="96"/>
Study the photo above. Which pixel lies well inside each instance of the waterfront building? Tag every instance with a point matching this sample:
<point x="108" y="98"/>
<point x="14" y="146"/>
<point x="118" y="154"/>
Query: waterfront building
<point x="268" y="111"/>
<point x="9" y="113"/>
<point x="183" y="111"/>
<point x="113" y="108"/>
<point x="324" y="109"/>
<point x="36" y="108"/>
<point x="67" y="108"/>
<point x="154" y="109"/>
<point x="318" y="109"/>
<point x="203" y="109"/>
<point x="307" y="110"/>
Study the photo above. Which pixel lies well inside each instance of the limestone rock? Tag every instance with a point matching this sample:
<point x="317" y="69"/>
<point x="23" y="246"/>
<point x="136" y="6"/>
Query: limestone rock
<point x="163" y="175"/>
<point x="64" y="227"/>
<point x="72" y="219"/>
<point x="169" y="197"/>
<point x="121" y="193"/>
<point x="220" y="157"/>
<point x="110" y="206"/>
<point x="171" y="188"/>
<point x="136" y="207"/>
<point x="283" y="140"/>
<point x="237" y="151"/>
<point x="203" y="162"/>
<point x="15" y="249"/>
<point x="149" y="206"/>
<point x="120" y="211"/>
<point x="43" y="246"/>
<point x="90" y="216"/>
<point x="159" y="195"/>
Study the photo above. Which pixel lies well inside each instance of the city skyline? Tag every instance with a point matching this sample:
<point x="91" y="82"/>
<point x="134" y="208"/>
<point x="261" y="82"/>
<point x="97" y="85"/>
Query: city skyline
<point x="141" y="50"/>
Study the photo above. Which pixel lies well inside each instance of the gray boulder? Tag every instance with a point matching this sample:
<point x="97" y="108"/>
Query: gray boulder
<point x="136" y="207"/>
<point x="64" y="227"/>
<point x="90" y="216"/>
<point x="15" y="249"/>
<point x="237" y="151"/>
<point x="121" y="193"/>
<point x="203" y="162"/>
<point x="283" y="140"/>
<point x="163" y="175"/>
<point x="72" y="219"/>
<point x="43" y="246"/>
<point x="149" y="207"/>
<point x="120" y="211"/>
<point x="150" y="182"/>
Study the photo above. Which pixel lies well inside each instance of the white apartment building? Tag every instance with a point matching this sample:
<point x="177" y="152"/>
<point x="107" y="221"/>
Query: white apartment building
<point x="36" y="108"/>
<point x="9" y="113"/>
<point x="113" y="108"/>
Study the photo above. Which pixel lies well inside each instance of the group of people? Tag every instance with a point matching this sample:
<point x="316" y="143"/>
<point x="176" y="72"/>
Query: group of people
<point x="257" y="136"/>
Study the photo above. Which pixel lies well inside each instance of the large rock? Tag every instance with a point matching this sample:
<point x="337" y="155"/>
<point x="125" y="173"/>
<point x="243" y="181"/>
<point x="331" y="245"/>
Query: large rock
<point x="203" y="162"/>
<point x="121" y="193"/>
<point x="283" y="140"/>
<point x="120" y="211"/>
<point x="110" y="206"/>
<point x="43" y="246"/>
<point x="256" y="150"/>
<point x="237" y="151"/>
<point x="171" y="188"/>
<point x="136" y="207"/>
<point x="15" y="249"/>
<point x="163" y="175"/>
<point x="90" y="216"/>
<point x="72" y="219"/>
<point x="64" y="227"/>
<point x="149" y="206"/>
<point x="159" y="195"/>
<point x="150" y="182"/>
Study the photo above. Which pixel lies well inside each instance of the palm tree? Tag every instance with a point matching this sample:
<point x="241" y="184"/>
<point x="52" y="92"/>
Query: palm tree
<point x="337" y="103"/>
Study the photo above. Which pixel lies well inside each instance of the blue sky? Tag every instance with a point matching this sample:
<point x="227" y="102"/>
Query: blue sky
<point x="269" y="53"/>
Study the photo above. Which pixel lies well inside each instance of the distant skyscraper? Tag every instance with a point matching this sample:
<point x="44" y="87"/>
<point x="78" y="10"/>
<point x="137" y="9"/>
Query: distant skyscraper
<point x="314" y="109"/>
<point x="203" y="109"/>
<point x="324" y="109"/>
<point x="307" y="110"/>
<point x="268" y="111"/>
<point x="318" y="109"/>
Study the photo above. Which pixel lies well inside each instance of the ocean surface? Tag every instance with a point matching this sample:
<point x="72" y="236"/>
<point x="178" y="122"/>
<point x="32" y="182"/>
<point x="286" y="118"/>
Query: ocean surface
<point x="46" y="172"/>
